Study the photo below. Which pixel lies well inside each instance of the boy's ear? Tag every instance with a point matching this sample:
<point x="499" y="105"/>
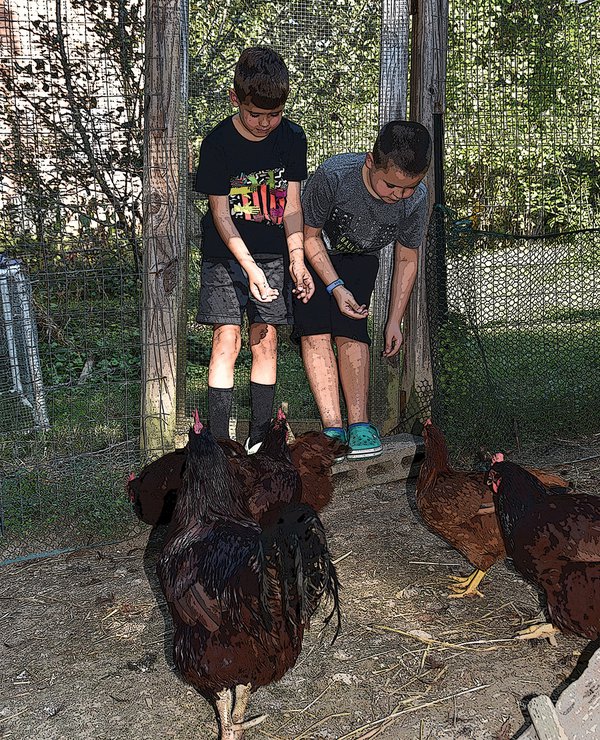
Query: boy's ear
<point x="369" y="161"/>
<point x="233" y="98"/>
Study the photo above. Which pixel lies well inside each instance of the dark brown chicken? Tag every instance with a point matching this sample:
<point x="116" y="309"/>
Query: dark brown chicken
<point x="554" y="542"/>
<point x="458" y="506"/>
<point x="268" y="476"/>
<point x="240" y="594"/>
<point x="154" y="492"/>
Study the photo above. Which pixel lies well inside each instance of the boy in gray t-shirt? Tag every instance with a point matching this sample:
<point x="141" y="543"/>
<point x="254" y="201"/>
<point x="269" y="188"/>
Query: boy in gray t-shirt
<point x="354" y="206"/>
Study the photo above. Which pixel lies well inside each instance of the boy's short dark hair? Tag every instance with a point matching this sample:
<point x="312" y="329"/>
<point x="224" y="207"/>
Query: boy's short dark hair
<point x="261" y="78"/>
<point x="404" y="144"/>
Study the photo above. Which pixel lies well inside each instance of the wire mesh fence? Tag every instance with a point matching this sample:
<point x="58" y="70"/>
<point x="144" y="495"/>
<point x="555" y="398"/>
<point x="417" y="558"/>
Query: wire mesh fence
<point x="514" y="319"/>
<point x="70" y="125"/>
<point x="513" y="268"/>
<point x="514" y="327"/>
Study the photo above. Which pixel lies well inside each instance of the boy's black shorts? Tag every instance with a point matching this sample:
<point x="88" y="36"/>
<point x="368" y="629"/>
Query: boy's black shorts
<point x="225" y="296"/>
<point x="321" y="314"/>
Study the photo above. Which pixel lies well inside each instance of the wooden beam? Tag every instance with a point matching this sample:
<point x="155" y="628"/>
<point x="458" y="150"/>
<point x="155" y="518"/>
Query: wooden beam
<point x="393" y="96"/>
<point x="545" y="719"/>
<point x="164" y="242"/>
<point x="427" y="97"/>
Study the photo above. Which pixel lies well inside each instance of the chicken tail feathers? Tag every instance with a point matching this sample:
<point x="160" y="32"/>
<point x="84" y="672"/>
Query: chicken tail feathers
<point x="333" y="592"/>
<point x="305" y="570"/>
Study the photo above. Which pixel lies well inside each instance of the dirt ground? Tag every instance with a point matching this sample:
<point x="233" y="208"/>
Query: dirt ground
<point x="85" y="640"/>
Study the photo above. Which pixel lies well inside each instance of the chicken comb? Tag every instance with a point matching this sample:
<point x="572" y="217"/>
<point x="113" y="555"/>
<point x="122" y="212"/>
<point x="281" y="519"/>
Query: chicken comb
<point x="280" y="414"/>
<point x="427" y="423"/>
<point x="197" y="422"/>
<point x="131" y="477"/>
<point x="497" y="457"/>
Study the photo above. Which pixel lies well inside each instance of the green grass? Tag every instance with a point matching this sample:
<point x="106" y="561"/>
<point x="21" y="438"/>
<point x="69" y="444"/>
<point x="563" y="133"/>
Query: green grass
<point x="64" y="485"/>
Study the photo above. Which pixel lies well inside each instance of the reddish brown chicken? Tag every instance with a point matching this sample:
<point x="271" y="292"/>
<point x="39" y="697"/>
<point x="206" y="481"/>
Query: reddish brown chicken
<point x="554" y="542"/>
<point x="240" y="594"/>
<point x="154" y="492"/>
<point x="459" y="507"/>
<point x="268" y="476"/>
<point x="313" y="455"/>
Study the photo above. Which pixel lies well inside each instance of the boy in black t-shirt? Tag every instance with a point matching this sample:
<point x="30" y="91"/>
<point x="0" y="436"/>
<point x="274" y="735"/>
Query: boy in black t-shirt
<point x="251" y="166"/>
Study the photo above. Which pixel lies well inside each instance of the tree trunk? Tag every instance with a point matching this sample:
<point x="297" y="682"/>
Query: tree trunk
<point x="393" y="96"/>
<point x="164" y="243"/>
<point x="427" y="97"/>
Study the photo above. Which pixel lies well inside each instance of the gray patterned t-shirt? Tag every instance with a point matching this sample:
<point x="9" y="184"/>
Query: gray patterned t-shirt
<point x="354" y="221"/>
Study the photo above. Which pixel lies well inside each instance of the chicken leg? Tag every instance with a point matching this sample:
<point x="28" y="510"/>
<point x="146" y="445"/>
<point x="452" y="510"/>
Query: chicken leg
<point x="539" y="631"/>
<point x="242" y="697"/>
<point x="223" y="705"/>
<point x="467" y="586"/>
<point x="232" y="723"/>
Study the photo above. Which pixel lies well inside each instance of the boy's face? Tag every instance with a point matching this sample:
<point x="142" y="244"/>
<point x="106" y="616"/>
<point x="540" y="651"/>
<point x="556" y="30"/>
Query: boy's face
<point x="257" y="122"/>
<point x="391" y="184"/>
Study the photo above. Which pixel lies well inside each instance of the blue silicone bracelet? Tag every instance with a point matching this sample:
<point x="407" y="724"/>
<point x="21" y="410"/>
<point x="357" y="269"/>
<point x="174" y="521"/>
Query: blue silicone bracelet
<point x="330" y="288"/>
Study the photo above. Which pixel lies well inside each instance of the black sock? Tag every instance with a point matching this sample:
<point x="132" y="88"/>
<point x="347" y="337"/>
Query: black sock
<point x="219" y="410"/>
<point x="261" y="399"/>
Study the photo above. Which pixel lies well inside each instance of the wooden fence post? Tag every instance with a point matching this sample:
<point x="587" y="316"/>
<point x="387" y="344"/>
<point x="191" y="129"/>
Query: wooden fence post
<point x="393" y="96"/>
<point x="427" y="97"/>
<point x="164" y="237"/>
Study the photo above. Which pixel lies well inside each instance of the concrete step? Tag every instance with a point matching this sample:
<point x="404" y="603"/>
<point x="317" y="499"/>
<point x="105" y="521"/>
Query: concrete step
<point x="399" y="460"/>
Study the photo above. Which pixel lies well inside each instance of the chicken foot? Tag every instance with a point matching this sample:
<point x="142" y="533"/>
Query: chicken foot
<point x="467" y="586"/>
<point x="539" y="631"/>
<point x="231" y="708"/>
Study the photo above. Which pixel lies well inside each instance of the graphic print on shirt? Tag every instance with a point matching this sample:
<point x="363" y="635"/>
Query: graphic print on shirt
<point x="341" y="227"/>
<point x="259" y="196"/>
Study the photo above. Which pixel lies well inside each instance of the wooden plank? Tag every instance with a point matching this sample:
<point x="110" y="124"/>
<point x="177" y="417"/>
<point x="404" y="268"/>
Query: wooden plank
<point x="164" y="220"/>
<point x="545" y="719"/>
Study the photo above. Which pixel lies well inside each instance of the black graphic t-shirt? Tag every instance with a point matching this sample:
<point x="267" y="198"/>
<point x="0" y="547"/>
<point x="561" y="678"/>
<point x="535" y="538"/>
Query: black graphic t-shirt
<point x="255" y="176"/>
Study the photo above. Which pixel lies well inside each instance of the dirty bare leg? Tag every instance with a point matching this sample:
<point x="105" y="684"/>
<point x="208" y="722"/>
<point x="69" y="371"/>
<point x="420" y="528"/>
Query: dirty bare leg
<point x="353" y="363"/>
<point x="322" y="373"/>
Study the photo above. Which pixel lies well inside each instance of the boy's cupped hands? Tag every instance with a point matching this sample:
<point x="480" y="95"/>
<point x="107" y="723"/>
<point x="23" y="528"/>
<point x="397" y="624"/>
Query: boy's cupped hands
<point x="259" y="286"/>
<point x="304" y="286"/>
<point x="348" y="305"/>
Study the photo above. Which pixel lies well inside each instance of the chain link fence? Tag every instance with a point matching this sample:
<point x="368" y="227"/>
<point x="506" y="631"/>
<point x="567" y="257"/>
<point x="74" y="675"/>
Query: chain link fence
<point x="515" y="326"/>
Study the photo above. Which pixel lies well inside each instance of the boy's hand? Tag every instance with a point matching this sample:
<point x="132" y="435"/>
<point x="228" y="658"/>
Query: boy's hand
<point x="393" y="340"/>
<point x="348" y="305"/>
<point x="304" y="286"/>
<point x="258" y="285"/>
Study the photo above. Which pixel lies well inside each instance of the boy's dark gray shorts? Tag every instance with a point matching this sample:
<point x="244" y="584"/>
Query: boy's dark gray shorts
<point x="225" y="296"/>
<point x="321" y="315"/>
